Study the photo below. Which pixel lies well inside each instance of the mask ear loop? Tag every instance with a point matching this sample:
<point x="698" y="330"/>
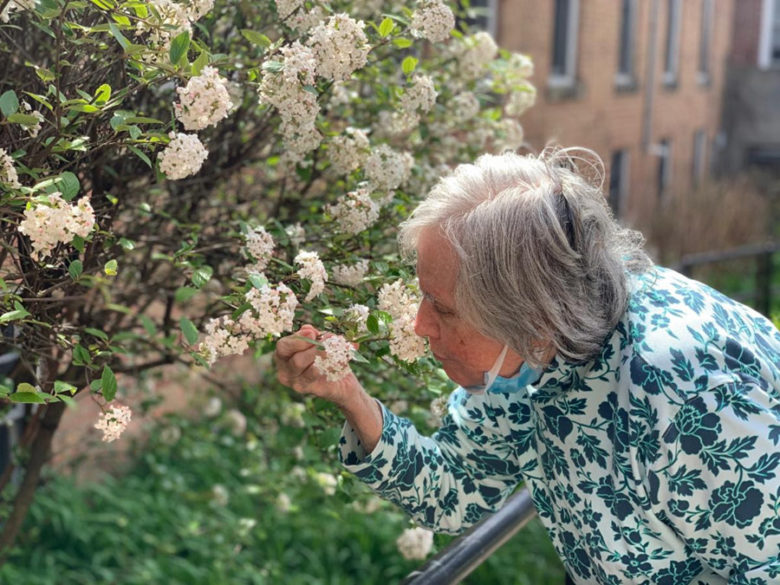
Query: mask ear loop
<point x="492" y="374"/>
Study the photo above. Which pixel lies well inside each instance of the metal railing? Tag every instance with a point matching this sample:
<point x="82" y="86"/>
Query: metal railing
<point x="468" y="551"/>
<point x="763" y="253"/>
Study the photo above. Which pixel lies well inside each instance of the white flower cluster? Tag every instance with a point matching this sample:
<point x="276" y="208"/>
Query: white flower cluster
<point x="113" y="422"/>
<point x="519" y="68"/>
<point x="465" y="106"/>
<point x="285" y="8"/>
<point x="388" y="169"/>
<point x="58" y="221"/>
<point x="183" y="156"/>
<point x="174" y="18"/>
<point x="519" y="101"/>
<point x="340" y="46"/>
<point x="353" y="275"/>
<point x="311" y="268"/>
<point x="348" y="151"/>
<point x="223" y="338"/>
<point x="438" y="408"/>
<point x="414" y="544"/>
<point x="396" y="300"/>
<point x="433" y="20"/>
<point x="13" y="5"/>
<point x="272" y="312"/>
<point x="204" y="101"/>
<point x="8" y="173"/>
<point x="510" y="135"/>
<point x="197" y="9"/>
<point x="420" y="96"/>
<point x="35" y="129"/>
<point x="335" y="364"/>
<point x="286" y="92"/>
<point x="296" y="233"/>
<point x="260" y="244"/>
<point x="303" y="21"/>
<point x="481" y="50"/>
<point x="354" y="212"/>
<point x="357" y="315"/>
<point x="395" y="124"/>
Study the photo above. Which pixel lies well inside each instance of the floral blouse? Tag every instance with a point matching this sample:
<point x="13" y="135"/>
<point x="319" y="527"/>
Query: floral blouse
<point x="657" y="463"/>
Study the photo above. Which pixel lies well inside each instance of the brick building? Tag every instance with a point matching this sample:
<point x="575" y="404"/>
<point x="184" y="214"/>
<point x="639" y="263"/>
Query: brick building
<point x="638" y="81"/>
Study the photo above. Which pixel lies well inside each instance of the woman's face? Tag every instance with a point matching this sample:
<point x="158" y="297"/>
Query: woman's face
<point x="464" y="353"/>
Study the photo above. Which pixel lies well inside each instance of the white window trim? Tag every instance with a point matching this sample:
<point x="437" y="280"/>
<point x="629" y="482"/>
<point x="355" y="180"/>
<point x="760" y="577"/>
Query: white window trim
<point x="491" y="16"/>
<point x="675" y="22"/>
<point x="569" y="78"/>
<point x="664" y="150"/>
<point x="765" y="39"/>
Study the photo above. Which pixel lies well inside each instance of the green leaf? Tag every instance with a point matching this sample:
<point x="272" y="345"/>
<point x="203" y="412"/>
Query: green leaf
<point x="81" y="355"/>
<point x="102" y="94"/>
<point x="126" y="244"/>
<point x="200" y="63"/>
<point x="372" y="324"/>
<point x="28" y="397"/>
<point x="402" y="42"/>
<point x="9" y="103"/>
<point x="386" y="27"/>
<point x="25" y="387"/>
<point x="140" y="155"/>
<point x="75" y="269"/>
<point x="179" y="46"/>
<point x="67" y="184"/>
<point x="19" y="313"/>
<point x="97" y="333"/>
<point x="86" y="108"/>
<point x="108" y="383"/>
<point x="202" y="275"/>
<point x="409" y="64"/>
<point x="60" y="387"/>
<point x="189" y="330"/>
<point x="256" y="37"/>
<point x="121" y="39"/>
<point x="149" y="326"/>
<point x="23" y="119"/>
<point x="258" y="281"/>
<point x="110" y="268"/>
<point x="104" y="4"/>
<point x="184" y="294"/>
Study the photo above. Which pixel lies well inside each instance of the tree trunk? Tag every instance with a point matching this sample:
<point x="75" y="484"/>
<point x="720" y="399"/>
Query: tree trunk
<point x="39" y="453"/>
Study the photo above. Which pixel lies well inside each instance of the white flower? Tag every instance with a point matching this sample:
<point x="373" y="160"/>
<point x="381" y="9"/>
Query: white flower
<point x="347" y="275"/>
<point x="174" y="19"/>
<point x="358" y="315"/>
<point x="521" y="66"/>
<point x="327" y="482"/>
<point x="213" y="407"/>
<point x="48" y="225"/>
<point x="197" y="9"/>
<point x="439" y="408"/>
<point x="396" y="300"/>
<point x="292" y="415"/>
<point x="511" y="135"/>
<point x="520" y="101"/>
<point x="296" y="233"/>
<point x="335" y="364"/>
<point x="285" y="8"/>
<point x="272" y="312"/>
<point x="354" y="212"/>
<point x="113" y="422"/>
<point x="433" y="20"/>
<point x="223" y="337"/>
<point x="388" y="169"/>
<point x="183" y="156"/>
<point x="283" y="503"/>
<point x="415" y="543"/>
<point x="398" y="406"/>
<point x="481" y="50"/>
<point x="340" y="46"/>
<point x="219" y="495"/>
<point x="304" y="21"/>
<point x="33" y="130"/>
<point x="311" y="268"/>
<point x="204" y="101"/>
<point x="5" y="15"/>
<point x="8" y="173"/>
<point x="420" y="95"/>
<point x="236" y="422"/>
<point x="465" y="106"/>
<point x="260" y="244"/>
<point x="348" y="151"/>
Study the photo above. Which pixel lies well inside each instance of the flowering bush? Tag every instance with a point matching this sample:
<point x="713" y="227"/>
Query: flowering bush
<point x="183" y="181"/>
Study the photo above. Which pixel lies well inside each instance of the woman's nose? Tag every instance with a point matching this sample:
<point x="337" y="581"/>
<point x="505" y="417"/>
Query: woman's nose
<point x="425" y="323"/>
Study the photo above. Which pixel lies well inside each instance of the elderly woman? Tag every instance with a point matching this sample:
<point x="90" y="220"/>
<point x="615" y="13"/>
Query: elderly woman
<point x="640" y="408"/>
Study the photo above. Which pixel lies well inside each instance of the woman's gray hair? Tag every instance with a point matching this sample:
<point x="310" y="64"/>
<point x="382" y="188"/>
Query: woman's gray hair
<point x="542" y="260"/>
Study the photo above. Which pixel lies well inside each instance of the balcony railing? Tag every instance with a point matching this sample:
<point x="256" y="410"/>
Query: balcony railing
<point x="469" y="550"/>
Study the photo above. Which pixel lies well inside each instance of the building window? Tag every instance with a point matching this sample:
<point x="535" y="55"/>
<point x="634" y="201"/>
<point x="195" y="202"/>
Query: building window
<point x="482" y="16"/>
<point x="564" y="57"/>
<point x="664" y="151"/>
<point x="626" y="44"/>
<point x="618" y="181"/>
<point x="672" y="54"/>
<point x="705" y="41"/>
<point x="769" y="47"/>
<point x="699" y="156"/>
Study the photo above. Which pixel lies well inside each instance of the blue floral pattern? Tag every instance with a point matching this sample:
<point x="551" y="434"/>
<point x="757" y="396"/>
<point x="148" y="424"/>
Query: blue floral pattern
<point x="658" y="462"/>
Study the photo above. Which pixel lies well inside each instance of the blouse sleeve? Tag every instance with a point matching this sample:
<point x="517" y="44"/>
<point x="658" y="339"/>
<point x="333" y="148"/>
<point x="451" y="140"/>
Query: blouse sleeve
<point x="717" y="484"/>
<point x="446" y="482"/>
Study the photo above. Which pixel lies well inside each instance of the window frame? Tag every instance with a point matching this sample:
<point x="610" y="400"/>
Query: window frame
<point x="699" y="158"/>
<point x="627" y="32"/>
<point x="672" y="44"/>
<point x="706" y="31"/>
<point x="617" y="194"/>
<point x="568" y="77"/>
<point x="769" y="35"/>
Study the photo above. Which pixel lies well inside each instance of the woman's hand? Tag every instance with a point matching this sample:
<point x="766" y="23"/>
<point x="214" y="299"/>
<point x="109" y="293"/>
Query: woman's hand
<point x="294" y="358"/>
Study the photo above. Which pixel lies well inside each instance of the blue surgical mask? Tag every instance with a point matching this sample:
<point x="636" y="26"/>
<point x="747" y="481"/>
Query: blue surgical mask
<point x="523" y="377"/>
